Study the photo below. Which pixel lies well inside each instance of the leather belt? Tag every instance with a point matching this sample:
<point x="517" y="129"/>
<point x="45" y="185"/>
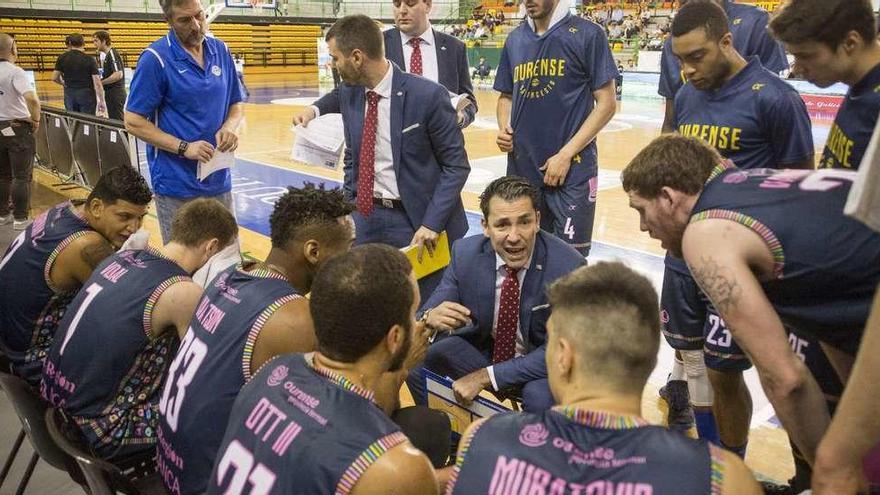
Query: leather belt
<point x="392" y="204"/>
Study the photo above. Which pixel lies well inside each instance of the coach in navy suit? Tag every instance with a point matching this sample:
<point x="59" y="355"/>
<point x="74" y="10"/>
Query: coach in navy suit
<point x="404" y="163"/>
<point x="490" y="310"/>
<point x="414" y="45"/>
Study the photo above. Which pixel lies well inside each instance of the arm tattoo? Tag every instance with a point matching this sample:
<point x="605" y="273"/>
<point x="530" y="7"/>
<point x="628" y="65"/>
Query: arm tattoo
<point x="718" y="283"/>
<point x="93" y="254"/>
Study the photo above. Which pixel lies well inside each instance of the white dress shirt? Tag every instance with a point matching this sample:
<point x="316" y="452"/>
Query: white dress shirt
<point x="500" y="275"/>
<point x="385" y="181"/>
<point x="429" y="53"/>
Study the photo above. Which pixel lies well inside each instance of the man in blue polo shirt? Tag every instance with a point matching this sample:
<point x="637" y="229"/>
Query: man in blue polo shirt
<point x="750" y="37"/>
<point x="185" y="102"/>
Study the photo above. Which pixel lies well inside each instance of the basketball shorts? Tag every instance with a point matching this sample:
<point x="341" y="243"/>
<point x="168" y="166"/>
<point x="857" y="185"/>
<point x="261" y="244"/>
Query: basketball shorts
<point x="568" y="212"/>
<point x="690" y="323"/>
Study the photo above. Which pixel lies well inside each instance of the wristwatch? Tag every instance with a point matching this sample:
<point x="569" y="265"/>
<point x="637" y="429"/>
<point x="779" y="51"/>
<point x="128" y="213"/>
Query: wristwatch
<point x="181" y="148"/>
<point x="424" y="320"/>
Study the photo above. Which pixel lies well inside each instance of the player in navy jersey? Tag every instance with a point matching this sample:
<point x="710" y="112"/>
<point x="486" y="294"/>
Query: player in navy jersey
<point x="556" y="78"/>
<point x="133" y="309"/>
<point x="836" y="41"/>
<point x="748" y="24"/>
<point x="603" y="337"/>
<point x="762" y="270"/>
<point x="249" y="314"/>
<point x="756" y="119"/>
<point x="45" y="265"/>
<point x="313" y="423"/>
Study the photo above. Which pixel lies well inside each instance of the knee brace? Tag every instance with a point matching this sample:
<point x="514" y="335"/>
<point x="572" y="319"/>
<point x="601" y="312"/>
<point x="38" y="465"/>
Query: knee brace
<point x="698" y="381"/>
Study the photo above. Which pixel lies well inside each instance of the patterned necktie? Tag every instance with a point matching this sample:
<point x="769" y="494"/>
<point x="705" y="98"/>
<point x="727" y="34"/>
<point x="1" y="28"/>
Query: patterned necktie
<point x="367" y="157"/>
<point x="415" y="60"/>
<point x="508" y="317"/>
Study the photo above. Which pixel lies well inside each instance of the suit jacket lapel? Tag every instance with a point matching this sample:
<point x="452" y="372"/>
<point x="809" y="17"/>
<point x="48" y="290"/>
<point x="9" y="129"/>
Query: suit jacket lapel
<point x="531" y="290"/>
<point x="486" y="276"/>
<point x="398" y="100"/>
<point x="394" y="48"/>
<point x="444" y="60"/>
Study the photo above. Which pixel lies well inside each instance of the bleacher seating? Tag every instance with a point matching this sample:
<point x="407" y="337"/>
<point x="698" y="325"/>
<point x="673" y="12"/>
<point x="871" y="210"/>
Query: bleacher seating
<point x="265" y="48"/>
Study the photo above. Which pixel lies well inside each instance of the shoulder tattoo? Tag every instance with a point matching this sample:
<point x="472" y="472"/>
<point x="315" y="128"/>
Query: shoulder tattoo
<point x="718" y="283"/>
<point x="94" y="253"/>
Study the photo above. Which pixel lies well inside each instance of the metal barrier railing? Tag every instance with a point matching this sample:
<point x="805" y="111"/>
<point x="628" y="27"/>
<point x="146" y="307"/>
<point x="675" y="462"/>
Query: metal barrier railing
<point x="79" y="148"/>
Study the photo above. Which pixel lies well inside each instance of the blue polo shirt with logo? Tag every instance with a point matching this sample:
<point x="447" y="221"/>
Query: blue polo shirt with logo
<point x="188" y="102"/>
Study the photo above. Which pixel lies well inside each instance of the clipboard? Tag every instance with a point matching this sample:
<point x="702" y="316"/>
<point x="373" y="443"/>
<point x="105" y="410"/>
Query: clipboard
<point x="442" y="398"/>
<point x="430" y="263"/>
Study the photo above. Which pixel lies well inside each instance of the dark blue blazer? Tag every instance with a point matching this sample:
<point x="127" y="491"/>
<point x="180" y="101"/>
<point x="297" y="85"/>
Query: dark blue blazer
<point x="427" y="146"/>
<point x="470" y="281"/>
<point x="452" y="69"/>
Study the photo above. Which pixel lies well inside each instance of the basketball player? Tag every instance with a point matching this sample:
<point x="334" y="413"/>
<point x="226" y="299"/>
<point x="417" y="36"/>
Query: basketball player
<point x="309" y="423"/>
<point x="46" y="264"/>
<point x="249" y="314"/>
<point x="756" y="119"/>
<point x="748" y="24"/>
<point x="556" y="78"/>
<point x="836" y="41"/>
<point x="115" y="342"/>
<point x="603" y="336"/>
<point x="769" y="248"/>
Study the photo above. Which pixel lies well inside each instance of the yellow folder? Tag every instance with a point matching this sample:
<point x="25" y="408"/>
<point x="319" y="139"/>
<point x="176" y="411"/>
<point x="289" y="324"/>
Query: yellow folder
<point x="429" y="263"/>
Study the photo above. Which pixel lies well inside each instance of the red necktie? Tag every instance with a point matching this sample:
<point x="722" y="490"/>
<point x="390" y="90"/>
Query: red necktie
<point x="508" y="317"/>
<point x="367" y="157"/>
<point x="415" y="60"/>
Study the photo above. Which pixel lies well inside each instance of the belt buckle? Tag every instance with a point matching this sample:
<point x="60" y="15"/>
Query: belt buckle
<point x="387" y="203"/>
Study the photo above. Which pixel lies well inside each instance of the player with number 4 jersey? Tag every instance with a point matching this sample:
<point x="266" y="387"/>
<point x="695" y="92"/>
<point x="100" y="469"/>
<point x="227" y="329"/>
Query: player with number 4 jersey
<point x="119" y="334"/>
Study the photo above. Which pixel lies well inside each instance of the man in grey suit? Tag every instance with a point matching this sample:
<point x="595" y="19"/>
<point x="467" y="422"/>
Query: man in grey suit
<point x="416" y="47"/>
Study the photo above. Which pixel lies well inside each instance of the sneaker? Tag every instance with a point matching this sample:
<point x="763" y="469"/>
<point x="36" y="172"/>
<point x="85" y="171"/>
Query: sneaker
<point x="20" y="224"/>
<point x="6" y="219"/>
<point x="771" y="488"/>
<point x="680" y="416"/>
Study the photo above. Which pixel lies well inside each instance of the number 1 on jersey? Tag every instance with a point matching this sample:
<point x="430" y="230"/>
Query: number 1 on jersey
<point x="92" y="291"/>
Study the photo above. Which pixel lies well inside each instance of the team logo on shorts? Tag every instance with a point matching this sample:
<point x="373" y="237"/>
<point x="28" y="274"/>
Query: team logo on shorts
<point x="664" y="316"/>
<point x="215" y="70"/>
<point x="533" y="435"/>
<point x="277" y="376"/>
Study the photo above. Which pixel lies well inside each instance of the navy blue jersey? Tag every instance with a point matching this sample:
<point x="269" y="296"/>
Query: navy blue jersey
<point x="297" y="429"/>
<point x="107" y="364"/>
<point x="552" y="78"/>
<point x="213" y="363"/>
<point x="755" y="119"/>
<point x="854" y="124"/>
<point x="30" y="306"/>
<point x="827" y="265"/>
<point x="748" y="24"/>
<point x="572" y="451"/>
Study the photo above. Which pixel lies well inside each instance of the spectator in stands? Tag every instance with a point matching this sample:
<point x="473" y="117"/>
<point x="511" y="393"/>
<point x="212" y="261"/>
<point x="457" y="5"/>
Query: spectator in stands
<point x="19" y="120"/>
<point x="112" y="76"/>
<point x="186" y="104"/>
<point x="78" y="73"/>
<point x="500" y="17"/>
<point x="482" y="69"/>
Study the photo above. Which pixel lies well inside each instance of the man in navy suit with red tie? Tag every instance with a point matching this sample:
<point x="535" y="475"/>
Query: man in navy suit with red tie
<point x="404" y="164"/>
<point x="416" y="47"/>
<point x="490" y="310"/>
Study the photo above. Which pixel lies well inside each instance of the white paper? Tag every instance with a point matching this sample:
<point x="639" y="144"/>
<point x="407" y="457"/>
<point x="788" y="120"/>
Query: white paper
<point x="220" y="161"/>
<point x="863" y="202"/>
<point x="85" y="130"/>
<point x="8" y="131"/>
<point x="320" y="143"/>
<point x="459" y="102"/>
<point x="136" y="241"/>
<point x="112" y="136"/>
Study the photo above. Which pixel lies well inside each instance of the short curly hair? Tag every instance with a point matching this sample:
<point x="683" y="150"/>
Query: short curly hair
<point x="671" y="160"/>
<point x="309" y="212"/>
